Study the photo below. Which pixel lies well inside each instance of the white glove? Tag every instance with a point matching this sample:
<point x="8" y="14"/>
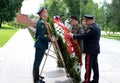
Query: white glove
<point x="53" y="39"/>
<point x="70" y="34"/>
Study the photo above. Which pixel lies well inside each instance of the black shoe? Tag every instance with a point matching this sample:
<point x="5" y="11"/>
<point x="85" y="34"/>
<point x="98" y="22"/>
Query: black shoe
<point x="41" y="77"/>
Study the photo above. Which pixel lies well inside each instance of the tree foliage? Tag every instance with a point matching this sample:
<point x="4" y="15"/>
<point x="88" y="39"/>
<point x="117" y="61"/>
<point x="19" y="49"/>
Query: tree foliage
<point x="78" y="8"/>
<point x="8" y="9"/>
<point x="92" y="8"/>
<point x="73" y="7"/>
<point x="107" y="15"/>
<point x="56" y="7"/>
<point x="81" y="7"/>
<point x="113" y="15"/>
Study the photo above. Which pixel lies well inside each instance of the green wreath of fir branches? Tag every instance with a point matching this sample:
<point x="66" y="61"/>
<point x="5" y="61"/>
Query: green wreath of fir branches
<point x="69" y="61"/>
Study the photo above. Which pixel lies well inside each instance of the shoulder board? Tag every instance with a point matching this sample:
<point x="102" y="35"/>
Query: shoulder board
<point x="42" y="21"/>
<point x="42" y="24"/>
<point x="88" y="30"/>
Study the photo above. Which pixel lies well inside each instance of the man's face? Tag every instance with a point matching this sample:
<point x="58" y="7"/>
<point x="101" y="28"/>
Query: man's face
<point x="83" y="22"/>
<point x="44" y="13"/>
<point x="73" y="22"/>
<point x="88" y="22"/>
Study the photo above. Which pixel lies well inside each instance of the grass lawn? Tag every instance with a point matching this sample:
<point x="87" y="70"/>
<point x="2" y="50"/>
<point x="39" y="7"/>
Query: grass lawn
<point x="112" y="36"/>
<point x="6" y="32"/>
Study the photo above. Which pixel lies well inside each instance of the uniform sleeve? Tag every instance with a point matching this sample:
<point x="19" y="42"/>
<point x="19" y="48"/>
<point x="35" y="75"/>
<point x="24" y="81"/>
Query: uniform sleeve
<point x="87" y="34"/>
<point x="80" y="30"/>
<point x="41" y="30"/>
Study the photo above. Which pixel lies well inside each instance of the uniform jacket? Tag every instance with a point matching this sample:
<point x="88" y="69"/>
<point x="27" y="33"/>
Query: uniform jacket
<point x="42" y="39"/>
<point x="91" y="39"/>
<point x="78" y="30"/>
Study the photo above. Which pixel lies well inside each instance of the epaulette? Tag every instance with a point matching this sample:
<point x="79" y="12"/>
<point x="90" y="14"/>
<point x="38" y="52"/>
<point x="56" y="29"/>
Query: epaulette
<point x="42" y="21"/>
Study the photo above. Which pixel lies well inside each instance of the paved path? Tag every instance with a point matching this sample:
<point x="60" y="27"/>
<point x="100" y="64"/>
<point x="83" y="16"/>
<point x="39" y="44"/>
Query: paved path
<point x="109" y="60"/>
<point x="16" y="61"/>
<point x="17" y="55"/>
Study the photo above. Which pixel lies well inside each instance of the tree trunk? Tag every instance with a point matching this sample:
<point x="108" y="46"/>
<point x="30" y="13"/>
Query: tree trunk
<point x="0" y="23"/>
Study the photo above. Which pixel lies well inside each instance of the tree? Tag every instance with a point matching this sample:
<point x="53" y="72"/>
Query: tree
<point x="83" y="4"/>
<point x="92" y="8"/>
<point x="113" y="15"/>
<point x="73" y="7"/>
<point x="8" y="9"/>
<point x="81" y="7"/>
<point x="56" y="7"/>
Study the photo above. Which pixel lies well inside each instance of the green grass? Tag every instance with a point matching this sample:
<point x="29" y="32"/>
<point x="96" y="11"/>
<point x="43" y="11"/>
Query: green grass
<point x="6" y="32"/>
<point x="112" y="36"/>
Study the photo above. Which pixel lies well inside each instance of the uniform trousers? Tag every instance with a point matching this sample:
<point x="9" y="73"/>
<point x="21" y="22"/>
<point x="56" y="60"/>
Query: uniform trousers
<point x="38" y="58"/>
<point x="91" y="63"/>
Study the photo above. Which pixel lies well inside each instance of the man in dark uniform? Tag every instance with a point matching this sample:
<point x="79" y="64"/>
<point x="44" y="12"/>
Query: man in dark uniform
<point x="91" y="39"/>
<point x="41" y="44"/>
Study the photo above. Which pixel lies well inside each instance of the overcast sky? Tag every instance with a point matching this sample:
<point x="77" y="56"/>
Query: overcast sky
<point x="32" y="6"/>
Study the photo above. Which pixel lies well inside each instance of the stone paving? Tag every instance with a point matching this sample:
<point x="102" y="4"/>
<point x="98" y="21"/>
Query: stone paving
<point x="16" y="62"/>
<point x="17" y="56"/>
